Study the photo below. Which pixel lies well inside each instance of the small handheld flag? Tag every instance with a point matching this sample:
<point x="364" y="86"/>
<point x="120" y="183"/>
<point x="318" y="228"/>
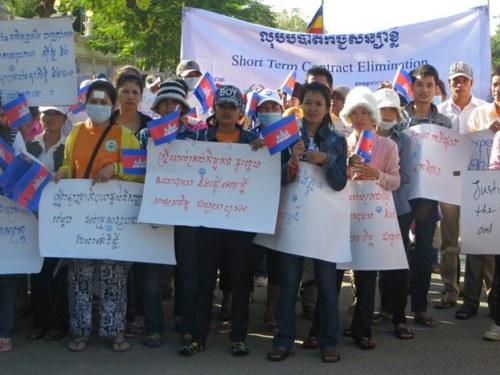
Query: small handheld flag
<point x="364" y="145"/>
<point x="17" y="111"/>
<point x="289" y="83"/>
<point x="7" y="153"/>
<point x="134" y="161"/>
<point x="80" y="107"/>
<point x="281" y="134"/>
<point x="165" y="129"/>
<point x="251" y="106"/>
<point x="402" y="84"/>
<point x="316" y="24"/>
<point x="204" y="91"/>
<point x="28" y="189"/>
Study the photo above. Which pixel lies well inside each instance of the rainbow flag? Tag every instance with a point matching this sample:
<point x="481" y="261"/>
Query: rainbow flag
<point x="316" y="24"/>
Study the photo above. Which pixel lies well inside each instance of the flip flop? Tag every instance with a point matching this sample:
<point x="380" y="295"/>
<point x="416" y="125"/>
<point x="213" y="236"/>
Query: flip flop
<point x="78" y="344"/>
<point x="403" y="333"/>
<point x="330" y="356"/>
<point x="279" y="354"/>
<point x="120" y="346"/>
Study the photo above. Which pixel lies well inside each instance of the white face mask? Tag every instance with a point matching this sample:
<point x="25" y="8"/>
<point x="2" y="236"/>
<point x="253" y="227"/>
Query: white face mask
<point x="97" y="112"/>
<point x="191" y="82"/>
<point x="387" y="125"/>
<point x="268" y="118"/>
<point x="437" y="99"/>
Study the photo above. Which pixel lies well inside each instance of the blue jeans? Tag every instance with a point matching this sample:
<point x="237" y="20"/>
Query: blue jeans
<point x="7" y="304"/>
<point x="152" y="300"/>
<point x="326" y="280"/>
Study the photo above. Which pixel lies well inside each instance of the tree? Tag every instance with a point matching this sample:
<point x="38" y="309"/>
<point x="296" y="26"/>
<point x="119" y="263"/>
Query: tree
<point x="23" y="8"/>
<point x="495" y="48"/>
<point x="291" y="21"/>
<point x="147" y="33"/>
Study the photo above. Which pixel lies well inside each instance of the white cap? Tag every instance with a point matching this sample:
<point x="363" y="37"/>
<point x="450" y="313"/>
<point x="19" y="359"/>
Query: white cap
<point x="388" y="98"/>
<point x="268" y="95"/>
<point x="61" y="109"/>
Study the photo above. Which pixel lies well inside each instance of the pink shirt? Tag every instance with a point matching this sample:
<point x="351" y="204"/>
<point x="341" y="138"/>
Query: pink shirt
<point x="385" y="158"/>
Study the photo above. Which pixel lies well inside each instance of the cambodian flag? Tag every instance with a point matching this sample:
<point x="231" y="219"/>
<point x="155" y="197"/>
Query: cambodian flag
<point x="28" y="189"/>
<point x="402" y="84"/>
<point x="7" y="153"/>
<point x="205" y="91"/>
<point x="287" y="86"/>
<point x="14" y="171"/>
<point x="134" y="161"/>
<point x="80" y="107"/>
<point x="251" y="106"/>
<point x="17" y="111"/>
<point x="165" y="129"/>
<point x="192" y="113"/>
<point x="281" y="134"/>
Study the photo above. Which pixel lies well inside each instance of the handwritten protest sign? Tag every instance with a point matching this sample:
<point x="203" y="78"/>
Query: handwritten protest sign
<point x="216" y="185"/>
<point x="19" y="252"/>
<point x="376" y="242"/>
<point x="313" y="219"/>
<point x="78" y="220"/>
<point x="438" y="152"/>
<point x="480" y="212"/>
<point x="37" y="59"/>
<point x="481" y="149"/>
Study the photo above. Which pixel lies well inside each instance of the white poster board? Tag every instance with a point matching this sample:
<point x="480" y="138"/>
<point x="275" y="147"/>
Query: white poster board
<point x="19" y="252"/>
<point x="438" y="153"/>
<point x="376" y="242"/>
<point x="37" y="59"/>
<point x="242" y="53"/>
<point x="211" y="184"/>
<point x="481" y="142"/>
<point x="480" y="212"/>
<point x="78" y="220"/>
<point x="313" y="219"/>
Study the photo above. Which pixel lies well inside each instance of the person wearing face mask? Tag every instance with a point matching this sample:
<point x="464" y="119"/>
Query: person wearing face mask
<point x="93" y="151"/>
<point x="393" y="284"/>
<point x="189" y="71"/>
<point x="269" y="109"/>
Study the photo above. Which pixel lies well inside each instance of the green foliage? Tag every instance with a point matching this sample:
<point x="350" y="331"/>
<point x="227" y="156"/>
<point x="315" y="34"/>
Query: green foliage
<point x="22" y="8"/>
<point x="495" y="48"/>
<point x="291" y="21"/>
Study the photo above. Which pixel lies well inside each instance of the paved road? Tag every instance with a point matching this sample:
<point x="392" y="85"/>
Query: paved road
<point x="454" y="347"/>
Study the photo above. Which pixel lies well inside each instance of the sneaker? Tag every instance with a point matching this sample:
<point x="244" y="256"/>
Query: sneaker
<point x="239" y="349"/>
<point x="224" y="327"/>
<point x="493" y="333"/>
<point x="260" y="281"/>
<point x="152" y="341"/>
<point x="190" y="350"/>
<point x="5" y="344"/>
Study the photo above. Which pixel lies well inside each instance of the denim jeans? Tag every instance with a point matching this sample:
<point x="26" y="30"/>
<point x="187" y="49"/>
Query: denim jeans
<point x="326" y="281"/>
<point x="152" y="277"/>
<point x="7" y="304"/>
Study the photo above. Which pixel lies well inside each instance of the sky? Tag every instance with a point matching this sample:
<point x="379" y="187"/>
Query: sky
<point x="362" y="16"/>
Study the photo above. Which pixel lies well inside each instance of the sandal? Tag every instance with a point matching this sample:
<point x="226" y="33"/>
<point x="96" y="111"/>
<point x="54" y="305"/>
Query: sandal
<point x="36" y="334"/>
<point x="191" y="349"/>
<point x="279" y="354"/>
<point x="403" y="333"/>
<point x="426" y="321"/>
<point x="365" y="343"/>
<point x="347" y="332"/>
<point x="152" y="341"/>
<point x="54" y="335"/>
<point x="330" y="356"/>
<point x="78" y="344"/>
<point x="239" y="349"/>
<point x="381" y="318"/>
<point x="444" y="305"/>
<point x="311" y="342"/>
<point x="465" y="313"/>
<point x="121" y="345"/>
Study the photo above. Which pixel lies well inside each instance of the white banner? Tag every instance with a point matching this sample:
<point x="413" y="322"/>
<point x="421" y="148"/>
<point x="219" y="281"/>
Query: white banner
<point x="480" y="212"/>
<point x="78" y="220"/>
<point x="376" y="242"/>
<point x="19" y="238"/>
<point x="438" y="152"/>
<point x="210" y="184"/>
<point x="242" y="53"/>
<point x="37" y="59"/>
<point x="313" y="219"/>
<point x="481" y="141"/>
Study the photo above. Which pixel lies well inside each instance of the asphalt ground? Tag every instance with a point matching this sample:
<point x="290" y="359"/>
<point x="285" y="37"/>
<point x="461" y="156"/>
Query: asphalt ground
<point x="453" y="347"/>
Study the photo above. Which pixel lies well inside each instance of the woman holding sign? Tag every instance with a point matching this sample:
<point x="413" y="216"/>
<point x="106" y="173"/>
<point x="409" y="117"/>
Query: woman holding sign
<point x="93" y="151"/>
<point x="321" y="146"/>
<point x="371" y="158"/>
